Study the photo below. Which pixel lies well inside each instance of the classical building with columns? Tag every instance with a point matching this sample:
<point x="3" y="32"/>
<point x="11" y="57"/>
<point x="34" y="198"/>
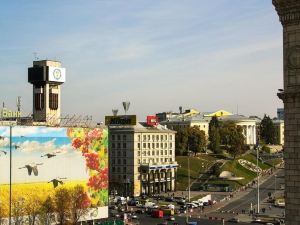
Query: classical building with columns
<point x="248" y="124"/>
<point x="289" y="15"/>
<point x="141" y="159"/>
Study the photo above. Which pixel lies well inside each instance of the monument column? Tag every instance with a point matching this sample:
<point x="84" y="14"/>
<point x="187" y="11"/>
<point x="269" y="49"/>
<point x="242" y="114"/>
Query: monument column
<point x="289" y="15"/>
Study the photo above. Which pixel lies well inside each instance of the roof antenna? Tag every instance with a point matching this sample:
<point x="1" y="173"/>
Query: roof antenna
<point x="126" y="106"/>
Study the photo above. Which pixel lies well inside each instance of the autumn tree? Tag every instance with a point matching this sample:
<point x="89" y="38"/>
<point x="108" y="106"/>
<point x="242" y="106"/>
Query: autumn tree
<point x="32" y="208"/>
<point x="62" y="200"/>
<point x="47" y="211"/>
<point x="18" y="210"/>
<point x="79" y="203"/>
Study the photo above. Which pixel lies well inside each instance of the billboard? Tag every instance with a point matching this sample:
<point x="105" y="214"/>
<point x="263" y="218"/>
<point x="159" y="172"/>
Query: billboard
<point x="152" y="120"/>
<point x="120" y="120"/>
<point x="57" y="74"/>
<point x="46" y="160"/>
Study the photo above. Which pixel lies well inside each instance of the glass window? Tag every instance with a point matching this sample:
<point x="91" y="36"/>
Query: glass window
<point x="149" y="145"/>
<point x="153" y="145"/>
<point x="166" y="137"/>
<point x="157" y="137"/>
<point x="166" y="145"/>
<point x="157" y="145"/>
<point x="139" y="153"/>
<point x="119" y="153"/>
<point x="119" y="145"/>
<point x="166" y="152"/>
<point x="161" y="137"/>
<point x="119" y="137"/>
<point x="113" y="145"/>
<point x="124" y="154"/>
<point x="139" y="145"/>
<point x="170" y="152"/>
<point x="113" y="137"/>
<point x="144" y="145"/>
<point x="119" y="161"/>
<point x="139" y="137"/>
<point x="153" y="152"/>
<point x="148" y="137"/>
<point x="139" y="161"/>
<point x="124" y="170"/>
<point x="153" y="137"/>
<point x="144" y="137"/>
<point x="157" y="152"/>
<point x="161" y="152"/>
<point x="124" y="137"/>
<point x="170" y="144"/>
<point x="124" y="145"/>
<point x="113" y="169"/>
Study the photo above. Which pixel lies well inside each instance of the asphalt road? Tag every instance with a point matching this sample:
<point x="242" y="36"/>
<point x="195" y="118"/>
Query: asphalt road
<point x="245" y="202"/>
<point x="148" y="220"/>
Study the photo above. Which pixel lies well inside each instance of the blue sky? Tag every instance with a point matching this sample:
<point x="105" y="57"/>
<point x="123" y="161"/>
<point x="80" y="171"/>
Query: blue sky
<point x="158" y="54"/>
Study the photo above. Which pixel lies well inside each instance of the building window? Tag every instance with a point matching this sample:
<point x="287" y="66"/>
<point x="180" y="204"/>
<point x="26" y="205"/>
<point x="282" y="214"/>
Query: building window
<point x="124" y="161"/>
<point x="166" y="160"/>
<point x="166" y="152"/>
<point x="157" y="137"/>
<point x="113" y="145"/>
<point x="124" y="177"/>
<point x="170" y="152"/>
<point x="119" y="137"/>
<point x="166" y="145"/>
<point x="138" y="145"/>
<point x="144" y="160"/>
<point x="113" y="169"/>
<point x="139" y="153"/>
<point x="171" y="145"/>
<point x="144" y="145"/>
<point x="161" y="152"/>
<point x="144" y="137"/>
<point x="124" y="137"/>
<point x="124" y="154"/>
<point x="153" y="137"/>
<point x="148" y="153"/>
<point x="148" y="137"/>
<point x="53" y="101"/>
<point x="171" y="137"/>
<point x="113" y="161"/>
<point x="139" y="161"/>
<point x="113" y="137"/>
<point x="39" y="101"/>
<point x="119" y="145"/>
<point x="119" y="161"/>
<point x="153" y="152"/>
<point x="124" y="145"/>
<point x="161" y="137"/>
<point x="149" y="145"/>
<point x="157" y="145"/>
<point x="119" y="153"/>
<point x="113" y="152"/>
<point x="166" y="137"/>
<point x="170" y="159"/>
<point x="161" y="145"/>
<point x="118" y="170"/>
<point x="124" y="170"/>
<point x="153" y="145"/>
<point x="139" y="137"/>
<point x="144" y="153"/>
<point x="157" y="152"/>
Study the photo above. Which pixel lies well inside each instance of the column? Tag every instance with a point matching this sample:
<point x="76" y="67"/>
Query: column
<point x="289" y="14"/>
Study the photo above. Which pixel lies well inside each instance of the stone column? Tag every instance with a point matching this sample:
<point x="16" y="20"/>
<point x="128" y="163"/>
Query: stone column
<point x="289" y="14"/>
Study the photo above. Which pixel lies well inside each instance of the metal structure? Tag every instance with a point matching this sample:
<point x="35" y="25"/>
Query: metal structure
<point x="126" y="106"/>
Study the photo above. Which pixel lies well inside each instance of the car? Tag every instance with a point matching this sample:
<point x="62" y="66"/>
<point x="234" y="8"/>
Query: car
<point x="134" y="217"/>
<point x="171" y="218"/>
<point x="233" y="220"/>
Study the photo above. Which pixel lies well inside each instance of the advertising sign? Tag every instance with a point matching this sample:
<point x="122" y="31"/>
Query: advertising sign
<point x="152" y="120"/>
<point x="120" y="120"/>
<point x="46" y="160"/>
<point x="57" y="74"/>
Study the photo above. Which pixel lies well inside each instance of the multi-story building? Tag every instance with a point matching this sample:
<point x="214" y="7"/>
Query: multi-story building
<point x="141" y="159"/>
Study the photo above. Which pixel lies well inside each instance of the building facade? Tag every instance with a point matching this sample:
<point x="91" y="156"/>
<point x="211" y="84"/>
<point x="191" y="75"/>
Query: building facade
<point x="279" y="131"/>
<point x="289" y="15"/>
<point x="142" y="159"/>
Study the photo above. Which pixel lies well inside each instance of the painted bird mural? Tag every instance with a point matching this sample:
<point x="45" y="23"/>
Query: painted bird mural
<point x="57" y="181"/>
<point x="32" y="167"/>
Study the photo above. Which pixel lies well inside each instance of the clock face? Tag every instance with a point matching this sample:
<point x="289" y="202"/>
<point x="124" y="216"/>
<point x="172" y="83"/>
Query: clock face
<point x="57" y="74"/>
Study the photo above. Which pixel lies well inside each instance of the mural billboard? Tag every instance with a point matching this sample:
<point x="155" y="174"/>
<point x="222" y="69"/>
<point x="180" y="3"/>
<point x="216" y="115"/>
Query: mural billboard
<point x="45" y="160"/>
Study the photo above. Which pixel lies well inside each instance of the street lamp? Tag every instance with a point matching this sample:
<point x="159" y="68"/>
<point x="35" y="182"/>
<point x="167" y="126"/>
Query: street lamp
<point x="10" y="171"/>
<point x="257" y="172"/>
<point x="275" y="186"/>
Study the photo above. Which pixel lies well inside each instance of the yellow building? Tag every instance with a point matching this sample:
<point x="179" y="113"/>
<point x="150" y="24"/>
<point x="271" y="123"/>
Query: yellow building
<point x="218" y="113"/>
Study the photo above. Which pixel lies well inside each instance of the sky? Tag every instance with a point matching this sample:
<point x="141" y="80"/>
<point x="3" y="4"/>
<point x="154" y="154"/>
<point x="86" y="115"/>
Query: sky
<point x="157" y="54"/>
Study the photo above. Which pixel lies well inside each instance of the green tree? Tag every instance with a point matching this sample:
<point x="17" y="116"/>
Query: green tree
<point x="215" y="140"/>
<point x="196" y="139"/>
<point x="267" y="130"/>
<point x="181" y="140"/>
<point x="232" y="138"/>
<point x="214" y="135"/>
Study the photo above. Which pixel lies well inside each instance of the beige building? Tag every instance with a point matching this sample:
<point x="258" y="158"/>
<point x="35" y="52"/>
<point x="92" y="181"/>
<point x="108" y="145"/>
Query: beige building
<point x="279" y="131"/>
<point x="141" y="159"/>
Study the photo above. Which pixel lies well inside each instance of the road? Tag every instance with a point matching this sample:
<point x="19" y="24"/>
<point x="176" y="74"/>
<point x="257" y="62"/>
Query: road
<point x="147" y="220"/>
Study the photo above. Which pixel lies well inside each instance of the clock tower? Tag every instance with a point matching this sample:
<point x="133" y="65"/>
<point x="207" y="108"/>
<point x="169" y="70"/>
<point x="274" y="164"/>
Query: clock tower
<point x="46" y="76"/>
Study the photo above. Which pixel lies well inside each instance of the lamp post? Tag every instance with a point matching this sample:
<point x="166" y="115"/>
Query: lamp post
<point x="275" y="186"/>
<point x="10" y="171"/>
<point x="257" y="150"/>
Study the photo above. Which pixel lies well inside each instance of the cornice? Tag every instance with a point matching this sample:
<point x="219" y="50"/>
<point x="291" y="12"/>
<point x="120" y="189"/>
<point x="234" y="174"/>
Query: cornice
<point x="288" y="11"/>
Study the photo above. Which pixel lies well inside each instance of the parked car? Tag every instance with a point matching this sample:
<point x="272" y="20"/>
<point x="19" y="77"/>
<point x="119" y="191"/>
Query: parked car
<point x="233" y="220"/>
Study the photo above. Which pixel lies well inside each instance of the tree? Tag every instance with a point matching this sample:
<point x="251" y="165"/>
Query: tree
<point x="233" y="138"/>
<point x="47" y="211"/>
<point x="79" y="203"/>
<point x="32" y="208"/>
<point x="181" y="140"/>
<point x="18" y="210"/>
<point x="267" y="130"/>
<point x="215" y="140"/>
<point x="214" y="135"/>
<point x="196" y="139"/>
<point x="62" y="201"/>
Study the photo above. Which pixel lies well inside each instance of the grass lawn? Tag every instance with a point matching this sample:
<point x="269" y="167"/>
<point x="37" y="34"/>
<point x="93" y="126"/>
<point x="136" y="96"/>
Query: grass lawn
<point x="252" y="158"/>
<point x="274" y="162"/>
<point x="197" y="165"/>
